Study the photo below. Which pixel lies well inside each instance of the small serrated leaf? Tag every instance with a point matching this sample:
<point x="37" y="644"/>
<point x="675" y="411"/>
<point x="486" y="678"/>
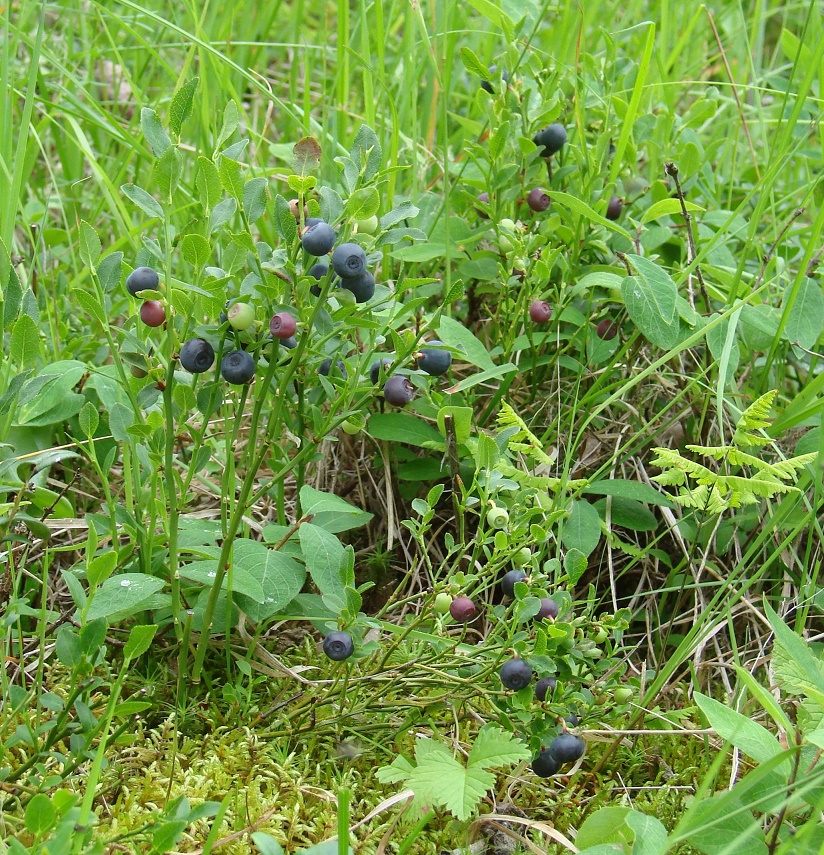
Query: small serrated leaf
<point x="306" y="156"/>
<point x="472" y="64"/>
<point x="90" y="247"/>
<point x="494" y="747"/>
<point x="181" y="107"/>
<point x="147" y="203"/>
<point x="154" y="132"/>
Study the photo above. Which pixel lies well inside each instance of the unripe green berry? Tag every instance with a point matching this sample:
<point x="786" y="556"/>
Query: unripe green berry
<point x="497" y="518"/>
<point x="368" y="226"/>
<point x="600" y="635"/>
<point x="442" y="603"/>
<point x="623" y="695"/>
<point x="240" y="316"/>
<point x="522" y="557"/>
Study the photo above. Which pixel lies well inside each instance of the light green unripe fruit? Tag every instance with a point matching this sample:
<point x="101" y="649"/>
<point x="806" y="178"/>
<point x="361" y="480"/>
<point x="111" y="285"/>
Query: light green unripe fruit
<point x="522" y="557"/>
<point x="623" y="695"/>
<point x="497" y="518"/>
<point x="442" y="603"/>
<point x="368" y="226"/>
<point x="241" y="316"/>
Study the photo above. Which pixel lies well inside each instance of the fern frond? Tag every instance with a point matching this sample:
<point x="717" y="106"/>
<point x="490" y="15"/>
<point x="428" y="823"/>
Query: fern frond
<point x="755" y="417"/>
<point x="522" y="439"/>
<point x="792" y="464"/>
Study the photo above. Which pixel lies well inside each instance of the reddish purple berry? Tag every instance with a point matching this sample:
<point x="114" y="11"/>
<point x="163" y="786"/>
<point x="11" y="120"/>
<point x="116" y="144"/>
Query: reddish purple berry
<point x="540" y="311"/>
<point x="152" y="313"/>
<point x="606" y="329"/>
<point x="538" y="199"/>
<point x="463" y="610"/>
<point x="282" y="325"/>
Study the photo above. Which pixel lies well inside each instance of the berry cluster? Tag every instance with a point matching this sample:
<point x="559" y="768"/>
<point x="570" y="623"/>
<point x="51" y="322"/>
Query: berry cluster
<point x="565" y="748"/>
<point x="152" y="312"/>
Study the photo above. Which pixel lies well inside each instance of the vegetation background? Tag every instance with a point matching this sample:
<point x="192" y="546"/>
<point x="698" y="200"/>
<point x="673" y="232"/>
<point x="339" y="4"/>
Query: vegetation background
<point x="174" y="546"/>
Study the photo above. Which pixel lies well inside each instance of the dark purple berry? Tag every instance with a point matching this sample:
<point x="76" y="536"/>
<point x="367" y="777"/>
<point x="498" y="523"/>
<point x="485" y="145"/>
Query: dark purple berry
<point x="543" y="687"/>
<point x="363" y="286"/>
<point x="508" y="581"/>
<point x="377" y="368"/>
<point x="434" y="360"/>
<point x="487" y="86"/>
<point x="326" y="367"/>
<point x="540" y="311"/>
<point x="614" y="208"/>
<point x="338" y="645"/>
<point x="398" y="391"/>
<point x="549" y="609"/>
<point x="463" y="609"/>
<point x="318" y="239"/>
<point x="142" y="279"/>
<point x="348" y="260"/>
<point x="538" y="199"/>
<point x="545" y="765"/>
<point x="484" y="199"/>
<point x="552" y="138"/>
<point x="567" y="748"/>
<point x="197" y="355"/>
<point x="606" y="329"/>
<point x="516" y="674"/>
<point x="237" y="367"/>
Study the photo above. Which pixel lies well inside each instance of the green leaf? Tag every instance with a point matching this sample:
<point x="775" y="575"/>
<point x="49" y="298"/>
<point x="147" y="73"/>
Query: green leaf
<point x="230" y="176"/>
<point x="280" y="577"/>
<point x="643" y="304"/>
<point x="719" y="825"/>
<point x="439" y="779"/>
<point x="166" y="172"/>
<point x="24" y="346"/>
<point x="109" y="271"/>
<point x="498" y="140"/>
<point x="403" y="211"/>
<point x="462" y="420"/>
<point x="795" y="664"/>
<point x="148" y="204"/>
<point x="123" y="594"/>
<point x="222" y="213"/>
<point x="100" y="567"/>
<point x="397" y="772"/>
<point x="67" y="646"/>
<point x="665" y="207"/>
<point x="472" y="64"/>
<point x="805" y="321"/>
<point x="286" y="225"/>
<point x="404" y="427"/>
<point x="739" y="730"/>
<point x="331" y="512"/>
<point x="266" y="844"/>
<point x="196" y="250"/>
<point x="660" y="285"/>
<point x="582" y="209"/>
<point x="366" y="152"/>
<point x="628" y="490"/>
<point x="154" y="132"/>
<point x="650" y="834"/>
<point x="254" y="198"/>
<point x="209" y="188"/>
<point x="363" y="203"/>
<point x="492" y="12"/>
<point x="494" y="747"/>
<point x="606" y="825"/>
<point x="181" y="107"/>
<point x="139" y="640"/>
<point x="481" y="377"/>
<point x="323" y="554"/>
<point x="90" y="247"/>
<point x="231" y="120"/>
<point x="455" y="334"/>
<point x="40" y="815"/>
<point x="582" y="530"/>
<point x="575" y="564"/>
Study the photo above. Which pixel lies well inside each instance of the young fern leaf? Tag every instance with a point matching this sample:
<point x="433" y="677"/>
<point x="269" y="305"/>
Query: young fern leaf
<point x="522" y="439"/>
<point x="714" y="492"/>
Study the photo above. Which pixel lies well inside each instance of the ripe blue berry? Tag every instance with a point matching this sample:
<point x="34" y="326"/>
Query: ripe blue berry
<point x="516" y="674"/>
<point x="237" y="367"/>
<point x="338" y="645"/>
<point x="545" y="765"/>
<point x="348" y="260"/>
<point x="552" y="138"/>
<point x="509" y="579"/>
<point x="398" y="391"/>
<point x="318" y="239"/>
<point x="487" y="86"/>
<point x="544" y="686"/>
<point x="549" y="609"/>
<point x="363" y="286"/>
<point x="197" y="355"/>
<point x="378" y="368"/>
<point x="326" y="367"/>
<point x="142" y="279"/>
<point x="434" y="360"/>
<point x="614" y="208"/>
<point x="567" y="748"/>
